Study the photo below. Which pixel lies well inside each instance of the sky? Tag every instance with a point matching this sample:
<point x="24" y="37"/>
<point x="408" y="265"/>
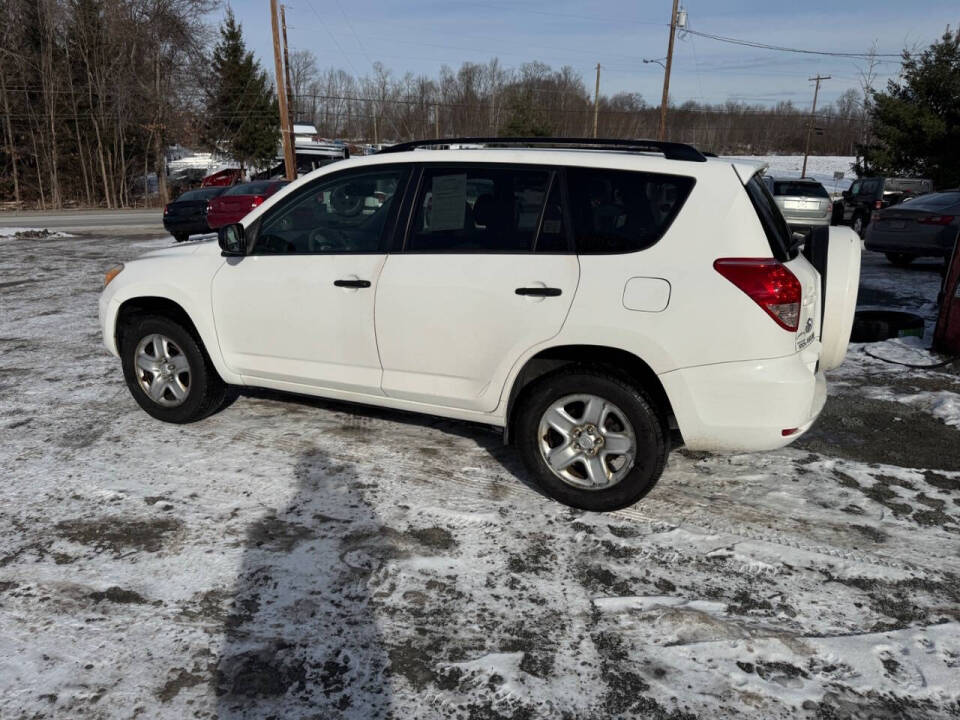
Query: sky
<point x="420" y="37"/>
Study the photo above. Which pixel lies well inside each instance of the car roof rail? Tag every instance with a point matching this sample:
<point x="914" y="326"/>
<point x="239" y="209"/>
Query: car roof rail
<point x="670" y="150"/>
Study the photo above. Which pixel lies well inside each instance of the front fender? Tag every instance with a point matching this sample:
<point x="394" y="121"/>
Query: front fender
<point x="186" y="284"/>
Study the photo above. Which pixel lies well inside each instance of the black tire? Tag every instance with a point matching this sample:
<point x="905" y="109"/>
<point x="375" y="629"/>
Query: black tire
<point x="181" y="237"/>
<point x="648" y="426"/>
<point x="863" y="224"/>
<point x="900" y="259"/>
<point x="206" y="390"/>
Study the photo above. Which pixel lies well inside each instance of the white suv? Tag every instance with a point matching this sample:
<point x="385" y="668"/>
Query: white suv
<point x="587" y="296"/>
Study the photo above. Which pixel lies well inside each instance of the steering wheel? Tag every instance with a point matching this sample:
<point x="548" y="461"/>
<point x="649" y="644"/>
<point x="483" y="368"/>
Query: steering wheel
<point x="344" y="203"/>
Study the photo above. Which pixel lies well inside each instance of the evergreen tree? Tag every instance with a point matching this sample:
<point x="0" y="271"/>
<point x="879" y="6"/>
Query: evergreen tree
<point x="916" y="122"/>
<point x="524" y="121"/>
<point x="242" y="115"/>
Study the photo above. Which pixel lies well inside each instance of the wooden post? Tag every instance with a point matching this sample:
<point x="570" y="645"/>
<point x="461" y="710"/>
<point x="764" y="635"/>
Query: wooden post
<point x="285" y="135"/>
<point x="286" y="65"/>
<point x="662" y="131"/>
<point x="813" y="113"/>
<point x="596" y="103"/>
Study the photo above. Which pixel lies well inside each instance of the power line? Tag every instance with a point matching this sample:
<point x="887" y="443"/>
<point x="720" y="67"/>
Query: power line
<point x="780" y="48"/>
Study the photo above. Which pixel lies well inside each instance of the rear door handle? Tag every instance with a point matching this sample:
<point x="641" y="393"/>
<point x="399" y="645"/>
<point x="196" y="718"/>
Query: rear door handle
<point x="539" y="291"/>
<point x="352" y="283"/>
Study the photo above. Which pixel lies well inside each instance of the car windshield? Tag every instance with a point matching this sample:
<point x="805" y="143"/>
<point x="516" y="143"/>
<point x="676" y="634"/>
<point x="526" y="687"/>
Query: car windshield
<point x="204" y="194"/>
<point x="800" y="189"/>
<point x="936" y="201"/>
<point x="254" y="188"/>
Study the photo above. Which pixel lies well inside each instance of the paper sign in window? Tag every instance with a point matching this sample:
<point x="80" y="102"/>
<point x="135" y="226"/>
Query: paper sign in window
<point x="449" y="202"/>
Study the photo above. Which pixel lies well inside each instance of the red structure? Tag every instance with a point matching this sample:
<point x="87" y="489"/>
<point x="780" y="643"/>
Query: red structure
<point x="223" y="178"/>
<point x="946" y="336"/>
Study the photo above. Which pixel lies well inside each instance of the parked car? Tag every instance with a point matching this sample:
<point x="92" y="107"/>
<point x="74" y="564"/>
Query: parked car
<point x="867" y="195"/>
<point x="923" y="227"/>
<point x="223" y="178"/>
<point x="588" y="297"/>
<point x="804" y="202"/>
<point x="187" y="215"/>
<point x="236" y="201"/>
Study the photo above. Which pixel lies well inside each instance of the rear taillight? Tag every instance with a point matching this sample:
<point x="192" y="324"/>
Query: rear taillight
<point x="878" y="204"/>
<point x="166" y="209"/>
<point x="769" y="283"/>
<point x="936" y="220"/>
<point x="257" y="199"/>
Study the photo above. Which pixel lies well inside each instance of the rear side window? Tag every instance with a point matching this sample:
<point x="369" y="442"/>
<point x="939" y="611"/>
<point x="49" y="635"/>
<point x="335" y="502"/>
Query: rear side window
<point x="620" y="211"/>
<point x="256" y="188"/>
<point x="797" y="189"/>
<point x="204" y="194"/>
<point x="478" y="209"/>
<point x="774" y="226"/>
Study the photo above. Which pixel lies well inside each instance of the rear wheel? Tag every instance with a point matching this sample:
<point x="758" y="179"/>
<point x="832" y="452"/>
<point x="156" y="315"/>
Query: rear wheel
<point x="858" y="225"/>
<point x="900" y="259"/>
<point x="591" y="440"/>
<point x="168" y="371"/>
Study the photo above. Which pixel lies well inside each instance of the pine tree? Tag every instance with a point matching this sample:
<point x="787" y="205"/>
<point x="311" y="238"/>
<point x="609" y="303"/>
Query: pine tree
<point x="916" y="122"/>
<point x="243" y="119"/>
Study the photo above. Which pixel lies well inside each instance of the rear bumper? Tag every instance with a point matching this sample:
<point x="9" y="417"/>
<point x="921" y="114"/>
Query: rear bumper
<point x="939" y="244"/>
<point x="746" y="406"/>
<point x="193" y="226"/>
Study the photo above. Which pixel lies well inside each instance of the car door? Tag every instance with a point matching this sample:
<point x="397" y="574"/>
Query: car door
<point x="299" y="308"/>
<point x="486" y="272"/>
<point x="850" y="203"/>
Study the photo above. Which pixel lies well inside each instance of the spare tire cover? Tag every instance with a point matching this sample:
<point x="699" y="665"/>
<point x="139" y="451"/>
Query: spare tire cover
<point x="840" y="295"/>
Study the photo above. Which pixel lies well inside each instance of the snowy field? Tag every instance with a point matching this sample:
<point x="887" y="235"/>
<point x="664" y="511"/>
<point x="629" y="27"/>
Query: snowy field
<point x="819" y="167"/>
<point x="294" y="558"/>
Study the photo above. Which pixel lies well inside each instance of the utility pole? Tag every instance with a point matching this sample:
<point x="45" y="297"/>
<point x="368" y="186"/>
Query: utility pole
<point x="596" y="103"/>
<point x="286" y="64"/>
<point x="662" y="130"/>
<point x="813" y="114"/>
<point x="288" y="157"/>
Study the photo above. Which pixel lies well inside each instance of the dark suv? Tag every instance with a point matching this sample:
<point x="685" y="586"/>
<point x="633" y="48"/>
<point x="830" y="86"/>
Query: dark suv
<point x="866" y="195"/>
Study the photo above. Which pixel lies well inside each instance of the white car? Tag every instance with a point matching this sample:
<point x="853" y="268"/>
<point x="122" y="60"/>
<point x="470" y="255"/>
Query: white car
<point x="589" y="297"/>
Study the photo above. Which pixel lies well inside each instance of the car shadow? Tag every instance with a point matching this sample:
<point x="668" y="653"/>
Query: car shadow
<point x="487" y="437"/>
<point x="302" y="638"/>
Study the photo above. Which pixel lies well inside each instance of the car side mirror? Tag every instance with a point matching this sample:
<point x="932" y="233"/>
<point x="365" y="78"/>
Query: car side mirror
<point x="846" y="195"/>
<point x="232" y="240"/>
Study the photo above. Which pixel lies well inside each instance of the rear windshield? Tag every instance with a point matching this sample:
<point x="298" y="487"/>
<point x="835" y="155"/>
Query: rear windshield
<point x="254" y="188"/>
<point x="800" y="189"/>
<point x="775" y="227"/>
<point x="204" y="194"/>
<point x="936" y="200"/>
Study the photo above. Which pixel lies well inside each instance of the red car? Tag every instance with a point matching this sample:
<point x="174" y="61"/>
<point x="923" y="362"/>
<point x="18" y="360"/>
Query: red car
<point x="233" y="204"/>
<point x="224" y="178"/>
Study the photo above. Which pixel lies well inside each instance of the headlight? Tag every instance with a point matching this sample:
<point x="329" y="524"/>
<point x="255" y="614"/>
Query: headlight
<point x="112" y="273"/>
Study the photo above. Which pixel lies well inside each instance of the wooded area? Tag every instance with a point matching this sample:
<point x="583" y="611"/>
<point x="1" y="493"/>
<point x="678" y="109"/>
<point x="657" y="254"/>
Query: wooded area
<point x="95" y="91"/>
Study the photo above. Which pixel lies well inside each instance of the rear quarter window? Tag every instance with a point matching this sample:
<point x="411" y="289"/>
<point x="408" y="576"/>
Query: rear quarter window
<point x="621" y="211"/>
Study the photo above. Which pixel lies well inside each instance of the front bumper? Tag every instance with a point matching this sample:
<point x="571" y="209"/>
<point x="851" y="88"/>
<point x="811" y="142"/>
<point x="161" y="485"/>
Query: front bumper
<point x="107" y="309"/>
<point x="746" y="406"/>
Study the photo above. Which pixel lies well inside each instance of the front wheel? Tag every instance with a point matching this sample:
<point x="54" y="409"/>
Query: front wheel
<point x="168" y="372"/>
<point x="591" y="440"/>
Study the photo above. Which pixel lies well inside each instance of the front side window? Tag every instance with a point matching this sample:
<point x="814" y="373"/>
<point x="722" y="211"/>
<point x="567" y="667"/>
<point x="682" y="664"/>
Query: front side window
<point x="478" y="209"/>
<point x="621" y="211"/>
<point x="347" y="213"/>
<point x="855" y="188"/>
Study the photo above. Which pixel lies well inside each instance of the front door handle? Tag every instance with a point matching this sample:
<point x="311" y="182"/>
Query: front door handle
<point x="352" y="283"/>
<point x="538" y="291"/>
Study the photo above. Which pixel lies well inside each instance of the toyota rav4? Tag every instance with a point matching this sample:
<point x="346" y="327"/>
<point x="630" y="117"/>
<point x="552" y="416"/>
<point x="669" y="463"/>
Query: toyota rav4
<point x="591" y="297"/>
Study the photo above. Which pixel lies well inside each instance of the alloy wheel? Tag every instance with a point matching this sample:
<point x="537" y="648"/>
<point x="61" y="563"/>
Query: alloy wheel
<point x="163" y="370"/>
<point x="587" y="441"/>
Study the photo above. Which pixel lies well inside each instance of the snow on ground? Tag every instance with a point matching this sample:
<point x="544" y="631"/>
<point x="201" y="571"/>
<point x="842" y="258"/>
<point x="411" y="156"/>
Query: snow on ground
<point x="297" y="558"/>
<point x="819" y="167"/>
<point x="35" y="233"/>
